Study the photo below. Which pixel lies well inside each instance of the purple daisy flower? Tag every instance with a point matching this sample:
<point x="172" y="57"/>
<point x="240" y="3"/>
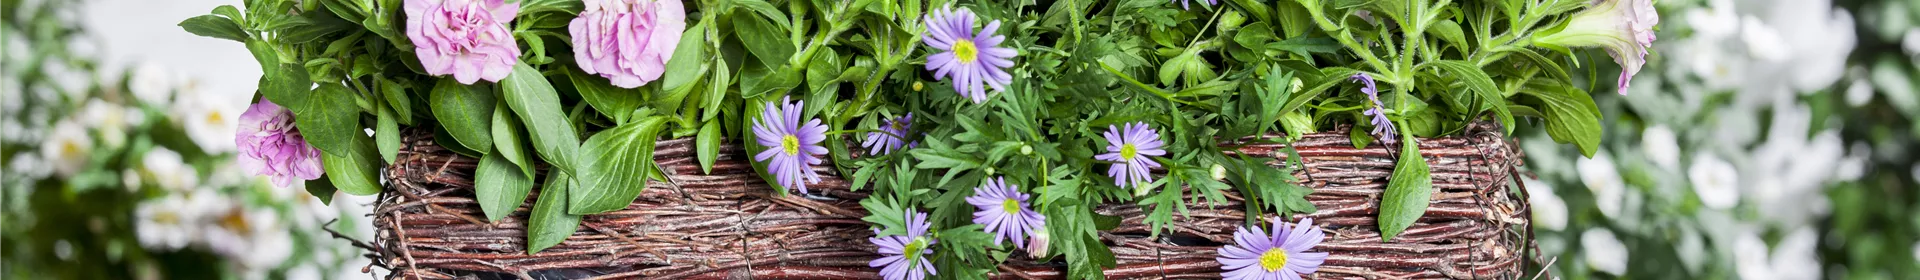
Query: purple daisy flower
<point x="904" y="256"/>
<point x="1128" y="147"/>
<point x="971" y="58"/>
<point x="1282" y="255"/>
<point x="1183" y="3"/>
<point x="792" y="147"/>
<point x="1004" y="210"/>
<point x="1382" y="127"/>
<point x="890" y="137"/>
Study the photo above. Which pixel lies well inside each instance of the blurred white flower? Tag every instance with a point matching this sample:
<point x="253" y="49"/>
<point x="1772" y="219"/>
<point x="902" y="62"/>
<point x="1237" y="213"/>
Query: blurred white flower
<point x="1750" y="256"/>
<point x="1603" y="252"/>
<point x="165" y="223"/>
<point x="1549" y="212"/>
<point x="168" y="170"/>
<point x="1795" y="258"/>
<point x="1859" y="92"/>
<point x="1715" y="181"/>
<point x="307" y="272"/>
<point x="1801" y="46"/>
<point x="1780" y="173"/>
<point x="255" y="238"/>
<point x="308" y="211"/>
<point x="67" y="148"/>
<point x="12" y="97"/>
<point x="1603" y="179"/>
<point x="211" y="121"/>
<point x="1911" y="41"/>
<point x="11" y="131"/>
<point x="31" y="167"/>
<point x="152" y="83"/>
<point x="1660" y="146"/>
<point x="109" y="119"/>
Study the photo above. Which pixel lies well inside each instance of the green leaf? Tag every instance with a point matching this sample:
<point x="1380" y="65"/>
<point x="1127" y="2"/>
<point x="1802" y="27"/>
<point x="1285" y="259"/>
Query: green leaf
<point x="386" y="135"/>
<point x="538" y="105"/>
<point x="507" y="140"/>
<point x="466" y="111"/>
<point x="1482" y="85"/>
<point x="357" y="171"/>
<point x="763" y="39"/>
<point x="216" y="27"/>
<point x="707" y="146"/>
<point x="322" y="188"/>
<point x="615" y="165"/>
<point x="286" y="84"/>
<point x="499" y="186"/>
<point x="1306" y="46"/>
<point x="397" y="99"/>
<point x="614" y="101"/>
<point x="1409" y="189"/>
<point x="550" y="224"/>
<point x="1571" y="117"/>
<point x="689" y="55"/>
<point x="1450" y="31"/>
<point x="330" y="120"/>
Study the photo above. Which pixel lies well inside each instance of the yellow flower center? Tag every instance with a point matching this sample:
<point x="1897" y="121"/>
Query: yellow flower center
<point x="790" y="144"/>
<point x="964" y="51"/>
<point x="214" y="117"/>
<point x="1273" y="259"/>
<point x="1012" y="206"/>
<point x="1127" y="151"/>
<point x="70" y="149"/>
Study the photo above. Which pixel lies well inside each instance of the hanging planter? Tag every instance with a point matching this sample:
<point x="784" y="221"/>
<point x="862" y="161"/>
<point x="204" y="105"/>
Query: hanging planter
<point x="890" y="139"/>
<point x="729" y="225"/>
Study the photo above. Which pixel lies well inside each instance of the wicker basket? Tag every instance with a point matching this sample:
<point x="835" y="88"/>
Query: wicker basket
<point x="730" y="225"/>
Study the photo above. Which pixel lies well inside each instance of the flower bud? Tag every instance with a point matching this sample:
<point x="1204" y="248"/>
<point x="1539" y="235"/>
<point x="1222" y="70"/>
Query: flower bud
<point x="1232" y="20"/>
<point x="1296" y="124"/>
<point x="1623" y="27"/>
<point x="1026" y="149"/>
<point x="1037" y="243"/>
<point x="917" y="86"/>
<point x="1219" y="172"/>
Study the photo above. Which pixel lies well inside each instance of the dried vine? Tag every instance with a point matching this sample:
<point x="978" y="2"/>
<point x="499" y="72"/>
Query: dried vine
<point x="729" y="225"/>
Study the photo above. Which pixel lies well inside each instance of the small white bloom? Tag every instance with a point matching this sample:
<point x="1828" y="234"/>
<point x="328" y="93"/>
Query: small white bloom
<point x="1549" y="212"/>
<point x="211" y="121"/>
<point x="67" y="148"/>
<point x="164" y="224"/>
<point x="307" y="272"/>
<point x="1603" y="179"/>
<point x="168" y="170"/>
<point x="152" y="83"/>
<point x="31" y="167"/>
<point x="1859" y="92"/>
<point x="1750" y="256"/>
<point x="108" y="119"/>
<point x="1715" y="181"/>
<point x="1797" y="257"/>
<point x="1911" y="41"/>
<point x="12" y="96"/>
<point x="1660" y="145"/>
<point x="1603" y="252"/>
<point x="253" y="237"/>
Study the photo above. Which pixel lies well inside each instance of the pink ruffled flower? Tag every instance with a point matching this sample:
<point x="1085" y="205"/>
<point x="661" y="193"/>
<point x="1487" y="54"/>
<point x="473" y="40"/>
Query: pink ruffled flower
<point x="271" y="146"/>
<point x="468" y="39"/>
<point x="628" y="41"/>
<point x="1623" y="27"/>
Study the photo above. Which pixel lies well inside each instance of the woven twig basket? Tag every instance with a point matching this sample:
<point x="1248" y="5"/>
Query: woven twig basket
<point x="730" y="224"/>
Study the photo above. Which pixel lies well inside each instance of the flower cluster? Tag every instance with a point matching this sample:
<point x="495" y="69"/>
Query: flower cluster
<point x="628" y="41"/>
<point x="1128" y="147"/>
<point x="1382" y="127"/>
<point x="794" y="147"/>
<point x="904" y="257"/>
<point x="271" y="146"/>
<point x="1004" y="210"/>
<point x="970" y="58"/>
<point x="468" y="39"/>
<point x="1283" y="255"/>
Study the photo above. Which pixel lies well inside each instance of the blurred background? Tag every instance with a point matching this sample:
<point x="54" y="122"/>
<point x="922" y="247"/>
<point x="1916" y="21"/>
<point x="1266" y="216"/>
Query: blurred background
<point x="1766" y="139"/>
